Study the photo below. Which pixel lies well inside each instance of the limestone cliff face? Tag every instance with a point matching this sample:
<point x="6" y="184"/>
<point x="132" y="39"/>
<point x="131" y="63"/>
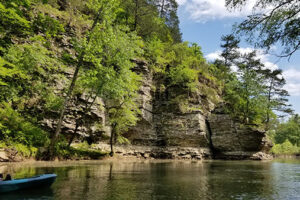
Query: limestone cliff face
<point x="84" y="116"/>
<point x="166" y="131"/>
<point x="172" y="125"/>
<point x="163" y="130"/>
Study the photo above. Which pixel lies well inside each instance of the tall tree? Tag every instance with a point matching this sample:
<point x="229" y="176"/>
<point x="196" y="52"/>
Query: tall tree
<point x="168" y="11"/>
<point x="103" y="13"/>
<point x="252" y="89"/>
<point x="230" y="49"/>
<point x="111" y="77"/>
<point x="229" y="57"/>
<point x="266" y="27"/>
<point x="257" y="91"/>
<point x="276" y="94"/>
<point x="143" y="17"/>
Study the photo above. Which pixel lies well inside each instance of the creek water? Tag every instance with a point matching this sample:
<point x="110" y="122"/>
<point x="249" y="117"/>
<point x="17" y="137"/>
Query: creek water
<point x="112" y="180"/>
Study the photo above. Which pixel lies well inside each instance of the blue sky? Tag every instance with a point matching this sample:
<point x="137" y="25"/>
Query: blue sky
<point x="205" y="21"/>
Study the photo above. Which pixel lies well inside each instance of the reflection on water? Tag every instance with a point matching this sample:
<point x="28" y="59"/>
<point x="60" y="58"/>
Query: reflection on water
<point x="162" y="180"/>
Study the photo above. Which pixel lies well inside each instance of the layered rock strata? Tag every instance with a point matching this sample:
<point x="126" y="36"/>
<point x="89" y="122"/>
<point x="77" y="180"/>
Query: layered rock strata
<point x="165" y="129"/>
<point x="233" y="140"/>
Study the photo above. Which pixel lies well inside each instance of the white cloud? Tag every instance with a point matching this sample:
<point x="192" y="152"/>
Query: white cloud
<point x="213" y="56"/>
<point x="205" y="10"/>
<point x="260" y="55"/>
<point x="292" y="77"/>
<point x="181" y="2"/>
<point x="292" y="73"/>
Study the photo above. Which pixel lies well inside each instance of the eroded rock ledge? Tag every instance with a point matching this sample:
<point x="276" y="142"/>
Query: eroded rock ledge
<point x="233" y="140"/>
<point x="155" y="152"/>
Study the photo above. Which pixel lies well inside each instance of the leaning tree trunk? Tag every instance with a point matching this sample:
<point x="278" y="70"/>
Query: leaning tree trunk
<point x="51" y="150"/>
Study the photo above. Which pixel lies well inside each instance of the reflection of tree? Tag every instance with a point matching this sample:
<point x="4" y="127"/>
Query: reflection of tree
<point x="121" y="184"/>
<point x="110" y="171"/>
<point x="178" y="180"/>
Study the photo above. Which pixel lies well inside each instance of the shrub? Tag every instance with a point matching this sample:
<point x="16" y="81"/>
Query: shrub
<point x="14" y="128"/>
<point x="286" y="148"/>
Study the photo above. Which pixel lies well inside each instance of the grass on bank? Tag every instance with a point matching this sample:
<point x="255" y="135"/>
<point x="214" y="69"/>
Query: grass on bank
<point x="20" y="149"/>
<point x="81" y="151"/>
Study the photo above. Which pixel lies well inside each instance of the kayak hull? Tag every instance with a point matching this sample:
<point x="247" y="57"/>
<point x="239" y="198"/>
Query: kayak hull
<point x="33" y="182"/>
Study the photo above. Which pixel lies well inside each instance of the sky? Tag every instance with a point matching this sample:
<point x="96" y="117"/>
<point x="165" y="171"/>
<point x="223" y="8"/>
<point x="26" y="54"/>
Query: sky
<point x="205" y="21"/>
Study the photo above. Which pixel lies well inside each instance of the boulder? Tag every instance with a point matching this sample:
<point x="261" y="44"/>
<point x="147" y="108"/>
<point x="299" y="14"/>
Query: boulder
<point x="3" y="156"/>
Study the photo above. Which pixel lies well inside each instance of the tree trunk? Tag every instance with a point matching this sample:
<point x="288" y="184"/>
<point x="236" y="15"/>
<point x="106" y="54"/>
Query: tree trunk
<point x="112" y="139"/>
<point x="269" y="105"/>
<point x="51" y="150"/>
<point x="162" y="9"/>
<point x="136" y="15"/>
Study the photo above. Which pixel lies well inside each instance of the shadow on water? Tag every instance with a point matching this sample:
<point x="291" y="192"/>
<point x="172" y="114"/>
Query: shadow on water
<point x="42" y="193"/>
<point x="163" y="180"/>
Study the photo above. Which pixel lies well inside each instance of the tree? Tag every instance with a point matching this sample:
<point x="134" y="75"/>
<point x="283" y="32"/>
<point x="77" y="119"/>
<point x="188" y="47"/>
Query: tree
<point x="276" y="95"/>
<point x="289" y="130"/>
<point x="267" y="28"/>
<point x="110" y="77"/>
<point x="168" y="11"/>
<point x="230" y="50"/>
<point x="251" y="88"/>
<point x="151" y="18"/>
<point x="104" y="12"/>
<point x="229" y="57"/>
<point x="142" y="17"/>
<point x="253" y="91"/>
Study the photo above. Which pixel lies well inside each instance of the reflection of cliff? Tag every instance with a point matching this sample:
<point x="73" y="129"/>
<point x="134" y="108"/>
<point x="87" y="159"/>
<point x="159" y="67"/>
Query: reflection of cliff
<point x="154" y="180"/>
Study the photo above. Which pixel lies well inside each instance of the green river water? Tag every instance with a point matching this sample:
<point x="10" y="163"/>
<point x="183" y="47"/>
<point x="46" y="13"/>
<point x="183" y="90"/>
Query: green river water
<point x="105" y="180"/>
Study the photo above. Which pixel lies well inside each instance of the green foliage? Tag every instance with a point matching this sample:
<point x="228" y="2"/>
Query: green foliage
<point x="286" y="136"/>
<point x="181" y="62"/>
<point x="26" y="73"/>
<point x="12" y="22"/>
<point x="289" y="130"/>
<point x="42" y="41"/>
<point x="80" y="151"/>
<point x="286" y="148"/>
<point x="167" y="10"/>
<point x="9" y="71"/>
<point x="47" y="25"/>
<point x="279" y="23"/>
<point x="53" y="102"/>
<point x="21" y="149"/>
<point x="33" y="59"/>
<point x="184" y="76"/>
<point x="183" y="66"/>
<point x="14" y="128"/>
<point x="144" y="17"/>
<point x="16" y="3"/>
<point x="252" y="93"/>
